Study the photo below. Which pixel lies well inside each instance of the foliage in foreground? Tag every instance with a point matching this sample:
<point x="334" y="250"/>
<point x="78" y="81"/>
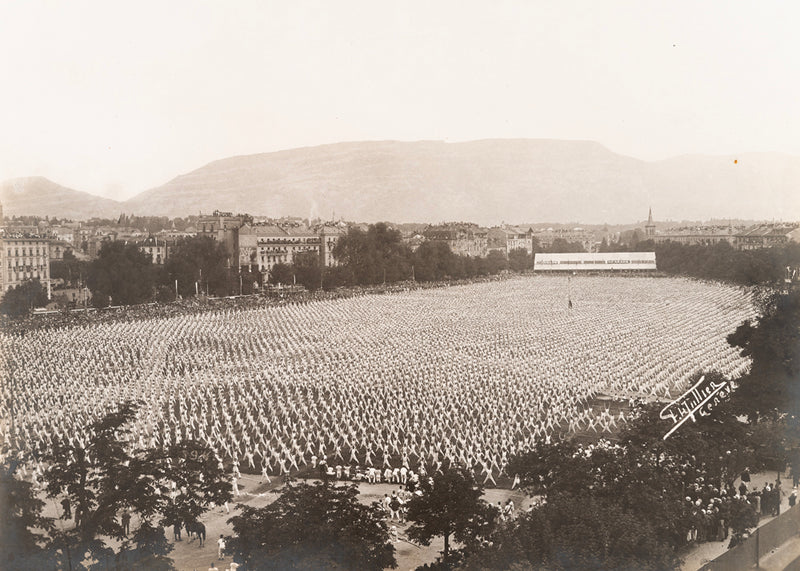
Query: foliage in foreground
<point x="772" y="387"/>
<point x="312" y="526"/>
<point x="105" y="476"/>
<point x="23" y="528"/>
<point x="450" y="506"/>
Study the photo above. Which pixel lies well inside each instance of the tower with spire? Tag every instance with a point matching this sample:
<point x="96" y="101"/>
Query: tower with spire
<point x="650" y="227"/>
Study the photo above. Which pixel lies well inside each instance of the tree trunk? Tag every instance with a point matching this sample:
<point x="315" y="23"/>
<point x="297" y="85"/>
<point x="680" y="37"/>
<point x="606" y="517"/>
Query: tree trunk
<point x="446" y="546"/>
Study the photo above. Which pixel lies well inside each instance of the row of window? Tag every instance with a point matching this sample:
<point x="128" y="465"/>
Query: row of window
<point x="27" y="252"/>
<point x="26" y="262"/>
<point x="27" y="274"/>
<point x="289" y="240"/>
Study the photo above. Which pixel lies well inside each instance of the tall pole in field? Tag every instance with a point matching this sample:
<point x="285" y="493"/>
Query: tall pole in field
<point x="569" y="292"/>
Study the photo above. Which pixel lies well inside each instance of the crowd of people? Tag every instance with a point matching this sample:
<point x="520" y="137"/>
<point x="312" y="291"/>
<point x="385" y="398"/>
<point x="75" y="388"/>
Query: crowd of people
<point x="422" y="378"/>
<point x="270" y="295"/>
<point x="714" y="509"/>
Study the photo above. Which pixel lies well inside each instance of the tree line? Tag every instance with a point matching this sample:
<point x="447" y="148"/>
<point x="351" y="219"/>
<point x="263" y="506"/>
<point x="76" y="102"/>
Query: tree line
<point x="720" y="262"/>
<point x="123" y="275"/>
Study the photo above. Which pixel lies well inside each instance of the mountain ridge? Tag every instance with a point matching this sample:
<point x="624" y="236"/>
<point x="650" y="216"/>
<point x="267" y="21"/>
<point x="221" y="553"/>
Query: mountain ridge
<point x="487" y="181"/>
<point x="40" y="196"/>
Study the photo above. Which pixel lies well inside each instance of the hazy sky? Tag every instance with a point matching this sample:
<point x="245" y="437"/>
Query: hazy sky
<point x="114" y="98"/>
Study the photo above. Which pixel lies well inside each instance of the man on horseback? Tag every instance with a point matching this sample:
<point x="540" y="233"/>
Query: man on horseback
<point x="196" y="528"/>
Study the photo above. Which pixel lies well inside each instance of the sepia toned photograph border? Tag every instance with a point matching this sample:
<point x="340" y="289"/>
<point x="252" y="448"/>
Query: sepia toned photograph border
<point x="442" y="285"/>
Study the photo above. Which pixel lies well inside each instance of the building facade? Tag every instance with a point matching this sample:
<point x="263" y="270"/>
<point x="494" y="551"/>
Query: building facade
<point x="157" y="249"/>
<point x="697" y="235"/>
<point x="328" y="238"/>
<point x="767" y="236"/>
<point x="464" y="239"/>
<point x="24" y="257"/>
<point x="263" y="246"/>
<point x="224" y="228"/>
<point x="508" y="238"/>
<point x="58" y="248"/>
<point x="546" y="237"/>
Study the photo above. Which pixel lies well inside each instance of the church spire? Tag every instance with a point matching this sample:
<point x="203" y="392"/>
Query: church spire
<point x="650" y="227"/>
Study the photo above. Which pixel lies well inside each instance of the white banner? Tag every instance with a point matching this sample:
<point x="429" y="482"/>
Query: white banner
<point x="595" y="262"/>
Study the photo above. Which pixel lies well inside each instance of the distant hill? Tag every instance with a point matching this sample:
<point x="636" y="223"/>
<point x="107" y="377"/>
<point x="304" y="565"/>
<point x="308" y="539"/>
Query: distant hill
<point x="38" y="196"/>
<point x="487" y="182"/>
<point x="483" y="181"/>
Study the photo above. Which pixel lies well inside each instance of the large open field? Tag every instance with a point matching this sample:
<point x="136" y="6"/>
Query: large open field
<point x="472" y="372"/>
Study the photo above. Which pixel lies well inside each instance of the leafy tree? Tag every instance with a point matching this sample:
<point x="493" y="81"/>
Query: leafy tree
<point x="520" y="260"/>
<point x="450" y="506"/>
<point x="198" y="476"/>
<point x="121" y="272"/>
<point x="97" y="477"/>
<point x="147" y="549"/>
<point x="313" y="526"/>
<point x="577" y="532"/>
<point x="165" y="294"/>
<point x="307" y="269"/>
<point x="21" y="299"/>
<point x="70" y="269"/>
<point x="336" y="276"/>
<point x="353" y="252"/>
<point x="772" y="386"/>
<point x="250" y="280"/>
<point x="391" y="256"/>
<point x="105" y="475"/>
<point x="431" y="261"/>
<point x="561" y="246"/>
<point x="495" y="262"/>
<point x="722" y="262"/>
<point x="21" y="546"/>
<point x="281" y="274"/>
<point x="100" y="299"/>
<point x="201" y="260"/>
<point x="373" y="256"/>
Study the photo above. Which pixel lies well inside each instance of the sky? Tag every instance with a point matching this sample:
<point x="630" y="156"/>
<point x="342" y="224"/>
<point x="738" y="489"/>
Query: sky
<point x="114" y="98"/>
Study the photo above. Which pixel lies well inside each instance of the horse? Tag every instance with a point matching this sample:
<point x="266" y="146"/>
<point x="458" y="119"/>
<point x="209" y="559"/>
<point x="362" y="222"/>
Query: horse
<point x="196" y="528"/>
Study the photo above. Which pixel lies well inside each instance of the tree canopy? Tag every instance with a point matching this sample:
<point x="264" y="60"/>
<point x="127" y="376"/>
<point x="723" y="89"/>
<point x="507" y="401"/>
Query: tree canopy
<point x="106" y="475"/>
<point x="23" y="298"/>
<point x="623" y="505"/>
<point x="374" y="256"/>
<point x="70" y="269"/>
<point x="723" y="262"/>
<point x="201" y="260"/>
<point x="121" y="272"/>
<point x="312" y="526"/>
<point x="23" y="528"/>
<point x="450" y="506"/>
<point x="772" y="386"/>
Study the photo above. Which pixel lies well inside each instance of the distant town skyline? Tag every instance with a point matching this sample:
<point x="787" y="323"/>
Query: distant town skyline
<point x="117" y="98"/>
